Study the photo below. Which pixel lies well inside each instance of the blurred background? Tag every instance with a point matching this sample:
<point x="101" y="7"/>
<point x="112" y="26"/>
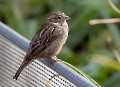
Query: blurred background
<point x="95" y="49"/>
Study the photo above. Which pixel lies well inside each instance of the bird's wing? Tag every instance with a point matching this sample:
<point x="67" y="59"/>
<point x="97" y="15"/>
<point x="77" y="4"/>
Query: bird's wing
<point x="43" y="38"/>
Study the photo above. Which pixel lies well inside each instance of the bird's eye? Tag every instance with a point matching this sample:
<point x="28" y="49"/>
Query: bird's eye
<point x="59" y="17"/>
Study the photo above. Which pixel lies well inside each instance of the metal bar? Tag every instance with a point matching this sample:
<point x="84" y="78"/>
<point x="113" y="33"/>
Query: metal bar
<point x="59" y="67"/>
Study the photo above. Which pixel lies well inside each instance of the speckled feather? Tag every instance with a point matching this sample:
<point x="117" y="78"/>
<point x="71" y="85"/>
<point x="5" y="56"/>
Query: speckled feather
<point x="48" y="40"/>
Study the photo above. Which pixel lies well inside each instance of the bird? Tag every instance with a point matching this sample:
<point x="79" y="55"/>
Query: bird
<point x="48" y="41"/>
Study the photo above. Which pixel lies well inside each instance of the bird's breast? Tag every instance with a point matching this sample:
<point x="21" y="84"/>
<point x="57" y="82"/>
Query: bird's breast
<point x="61" y="31"/>
<point x="62" y="37"/>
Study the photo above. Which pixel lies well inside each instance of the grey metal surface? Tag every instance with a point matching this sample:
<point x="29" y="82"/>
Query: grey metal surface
<point x="37" y="74"/>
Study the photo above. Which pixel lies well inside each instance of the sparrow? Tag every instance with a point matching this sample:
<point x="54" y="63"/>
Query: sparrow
<point x="48" y="40"/>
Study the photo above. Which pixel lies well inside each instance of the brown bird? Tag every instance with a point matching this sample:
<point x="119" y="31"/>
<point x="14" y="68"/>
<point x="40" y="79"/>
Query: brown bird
<point x="48" y="40"/>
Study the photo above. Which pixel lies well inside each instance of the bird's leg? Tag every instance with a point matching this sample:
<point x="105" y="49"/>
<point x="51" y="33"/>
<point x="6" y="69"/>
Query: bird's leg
<point x="55" y="59"/>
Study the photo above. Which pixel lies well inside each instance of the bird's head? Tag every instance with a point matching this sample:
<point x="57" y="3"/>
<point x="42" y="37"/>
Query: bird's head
<point x="57" y="17"/>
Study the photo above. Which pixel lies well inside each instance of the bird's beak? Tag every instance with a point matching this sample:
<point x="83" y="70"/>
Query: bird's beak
<point x="67" y="18"/>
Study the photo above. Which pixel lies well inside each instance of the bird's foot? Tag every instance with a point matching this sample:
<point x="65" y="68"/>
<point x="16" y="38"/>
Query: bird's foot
<point x="55" y="59"/>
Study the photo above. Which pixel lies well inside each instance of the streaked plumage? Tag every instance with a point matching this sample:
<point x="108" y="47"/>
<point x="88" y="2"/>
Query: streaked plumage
<point x="48" y="40"/>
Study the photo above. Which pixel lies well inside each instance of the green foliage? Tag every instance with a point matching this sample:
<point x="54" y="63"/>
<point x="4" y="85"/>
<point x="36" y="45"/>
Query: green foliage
<point x="26" y="17"/>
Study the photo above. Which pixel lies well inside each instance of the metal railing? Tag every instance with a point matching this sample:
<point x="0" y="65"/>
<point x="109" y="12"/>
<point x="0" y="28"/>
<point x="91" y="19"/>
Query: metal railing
<point x="37" y="74"/>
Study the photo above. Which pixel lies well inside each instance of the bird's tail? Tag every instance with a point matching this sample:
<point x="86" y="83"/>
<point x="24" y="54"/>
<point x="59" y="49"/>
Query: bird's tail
<point x="19" y="71"/>
<point x="27" y="60"/>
